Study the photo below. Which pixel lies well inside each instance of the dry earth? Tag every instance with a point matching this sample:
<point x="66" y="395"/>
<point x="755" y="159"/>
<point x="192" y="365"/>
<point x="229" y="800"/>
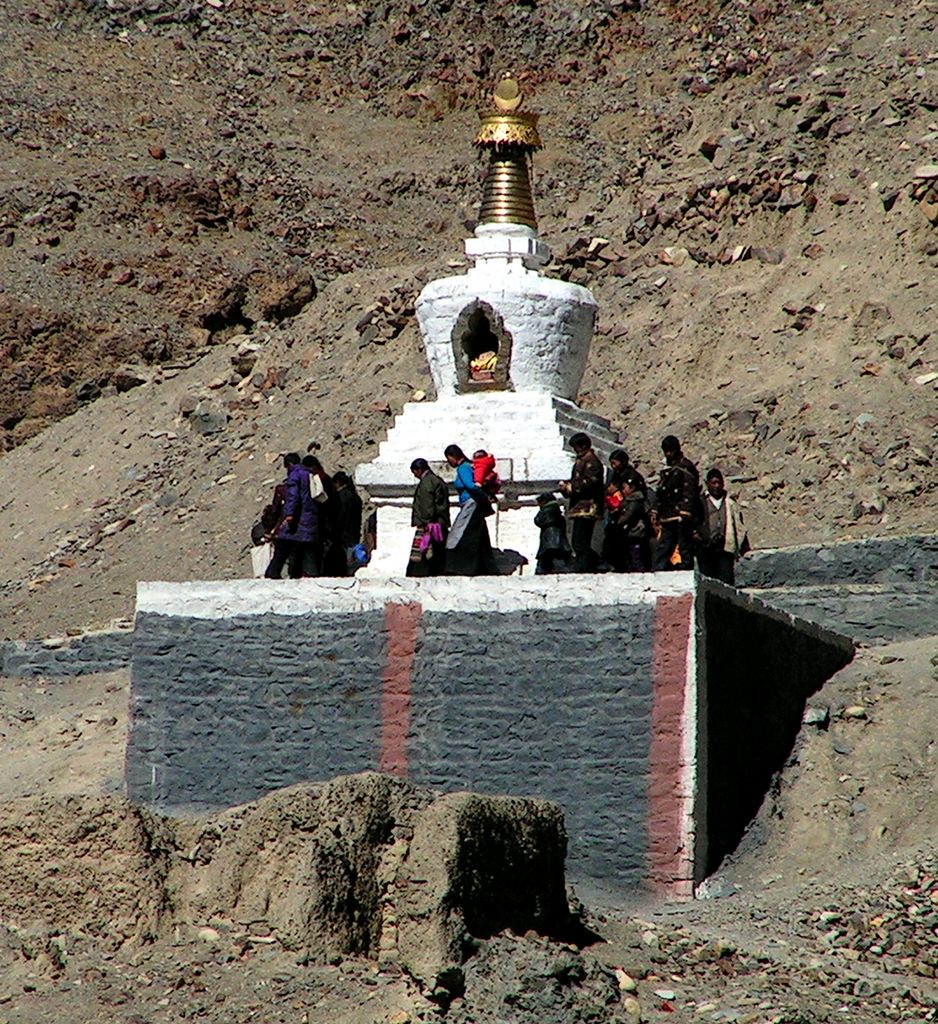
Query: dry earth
<point x="214" y="221"/>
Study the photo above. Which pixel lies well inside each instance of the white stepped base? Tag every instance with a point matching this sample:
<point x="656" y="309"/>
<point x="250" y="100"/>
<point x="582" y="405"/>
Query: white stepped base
<point x="526" y="433"/>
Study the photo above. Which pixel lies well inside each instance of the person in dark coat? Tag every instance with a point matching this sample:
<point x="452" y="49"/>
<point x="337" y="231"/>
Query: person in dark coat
<point x="553" y="551"/>
<point x="677" y="507"/>
<point x="721" y="536"/>
<point x="430" y="519"/>
<point x="345" y="525"/>
<point x="620" y="470"/>
<point x="297" y="537"/>
<point x="586" y="495"/>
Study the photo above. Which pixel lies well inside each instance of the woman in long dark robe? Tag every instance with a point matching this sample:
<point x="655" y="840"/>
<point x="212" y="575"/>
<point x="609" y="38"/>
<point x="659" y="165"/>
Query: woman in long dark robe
<point x="345" y="507"/>
<point x="430" y="520"/>
<point x="468" y="546"/>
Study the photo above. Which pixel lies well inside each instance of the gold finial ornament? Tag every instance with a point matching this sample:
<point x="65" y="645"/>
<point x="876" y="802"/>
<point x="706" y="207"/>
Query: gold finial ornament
<point x="511" y="137"/>
<point x="508" y="94"/>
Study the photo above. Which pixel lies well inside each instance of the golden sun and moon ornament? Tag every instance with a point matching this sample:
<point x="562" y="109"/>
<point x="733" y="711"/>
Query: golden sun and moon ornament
<point x="510" y="137"/>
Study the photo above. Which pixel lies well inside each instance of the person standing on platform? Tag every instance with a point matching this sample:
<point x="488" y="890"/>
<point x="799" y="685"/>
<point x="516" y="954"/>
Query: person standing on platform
<point x="346" y="524"/>
<point x="296" y="539"/>
<point x="430" y="519"/>
<point x="468" y="546"/>
<point x="620" y="470"/>
<point x="677" y="507"/>
<point x="586" y="496"/>
<point x="553" y="551"/>
<point x="721" y="537"/>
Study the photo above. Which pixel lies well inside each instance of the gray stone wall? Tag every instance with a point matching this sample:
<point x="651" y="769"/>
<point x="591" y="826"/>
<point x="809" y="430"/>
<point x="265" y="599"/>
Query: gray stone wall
<point x="547" y="703"/>
<point x="874" y="614"/>
<point x="225" y="710"/>
<point x="57" y="657"/>
<point x="877" y="590"/>
<point x="875" y="560"/>
<point x="593" y="692"/>
<point x="760" y="667"/>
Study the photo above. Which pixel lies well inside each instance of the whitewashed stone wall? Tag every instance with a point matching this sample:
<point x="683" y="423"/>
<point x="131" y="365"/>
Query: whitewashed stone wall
<point x="550" y="322"/>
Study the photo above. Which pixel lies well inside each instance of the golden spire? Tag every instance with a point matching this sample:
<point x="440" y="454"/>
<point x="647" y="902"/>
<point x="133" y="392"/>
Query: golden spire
<point x="511" y="137"/>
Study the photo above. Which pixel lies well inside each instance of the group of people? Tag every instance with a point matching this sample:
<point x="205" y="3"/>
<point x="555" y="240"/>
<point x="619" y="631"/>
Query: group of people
<point x="643" y="530"/>
<point x="313" y="523"/>
<point x="463" y="547"/>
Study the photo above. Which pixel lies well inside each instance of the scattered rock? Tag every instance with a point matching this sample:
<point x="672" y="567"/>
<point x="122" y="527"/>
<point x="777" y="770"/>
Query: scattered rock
<point x="279" y="296"/>
<point x="208" y="417"/>
<point x="245" y="358"/>
<point x="89" y="391"/>
<point x="819" y="717"/>
<point x="127" y="378"/>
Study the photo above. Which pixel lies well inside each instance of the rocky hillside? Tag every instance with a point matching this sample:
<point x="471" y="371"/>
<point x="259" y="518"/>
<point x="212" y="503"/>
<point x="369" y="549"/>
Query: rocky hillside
<point x="214" y="221"/>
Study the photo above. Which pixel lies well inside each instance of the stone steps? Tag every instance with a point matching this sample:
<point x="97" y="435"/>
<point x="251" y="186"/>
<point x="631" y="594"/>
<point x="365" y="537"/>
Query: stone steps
<point x="512" y="426"/>
<point x="573" y="419"/>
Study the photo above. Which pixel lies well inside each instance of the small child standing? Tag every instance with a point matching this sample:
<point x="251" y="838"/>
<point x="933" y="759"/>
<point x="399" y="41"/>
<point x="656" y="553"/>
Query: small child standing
<point x="626" y="542"/>
<point x="553" y="552"/>
<point x="483" y="472"/>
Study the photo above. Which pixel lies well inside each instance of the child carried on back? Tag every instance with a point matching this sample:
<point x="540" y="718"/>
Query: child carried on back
<point x="483" y="472"/>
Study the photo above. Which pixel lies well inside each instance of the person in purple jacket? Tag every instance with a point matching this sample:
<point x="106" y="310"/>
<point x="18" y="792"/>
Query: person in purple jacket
<point x="297" y="536"/>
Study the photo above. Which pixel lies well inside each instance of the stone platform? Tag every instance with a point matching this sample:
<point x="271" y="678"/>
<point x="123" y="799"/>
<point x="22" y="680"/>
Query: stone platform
<point x="875" y="589"/>
<point x="654" y="709"/>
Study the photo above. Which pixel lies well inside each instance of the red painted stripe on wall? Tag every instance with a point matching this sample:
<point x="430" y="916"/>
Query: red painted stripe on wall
<point x="670" y="866"/>
<point x="402" y="626"/>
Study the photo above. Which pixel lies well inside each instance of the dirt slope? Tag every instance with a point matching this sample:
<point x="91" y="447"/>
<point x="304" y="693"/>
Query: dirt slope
<point x="745" y="188"/>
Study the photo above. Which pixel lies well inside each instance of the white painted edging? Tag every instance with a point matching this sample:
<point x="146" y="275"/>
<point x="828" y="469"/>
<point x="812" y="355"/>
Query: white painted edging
<point x="230" y="598"/>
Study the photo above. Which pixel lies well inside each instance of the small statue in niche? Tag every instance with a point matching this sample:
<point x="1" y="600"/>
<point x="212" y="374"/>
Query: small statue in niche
<point x="482" y="367"/>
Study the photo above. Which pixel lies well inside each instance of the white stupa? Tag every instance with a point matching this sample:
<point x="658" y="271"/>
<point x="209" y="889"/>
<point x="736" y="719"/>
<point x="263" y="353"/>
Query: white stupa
<point x="507" y="348"/>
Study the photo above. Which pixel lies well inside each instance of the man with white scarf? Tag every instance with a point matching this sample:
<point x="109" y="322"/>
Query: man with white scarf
<point x="721" y="537"/>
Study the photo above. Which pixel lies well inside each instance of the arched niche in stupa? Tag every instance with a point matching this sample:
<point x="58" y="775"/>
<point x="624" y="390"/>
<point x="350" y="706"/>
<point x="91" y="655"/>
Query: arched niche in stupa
<point x="481" y="350"/>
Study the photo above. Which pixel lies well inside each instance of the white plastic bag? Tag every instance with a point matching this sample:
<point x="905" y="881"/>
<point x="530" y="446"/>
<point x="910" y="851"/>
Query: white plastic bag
<point x="316" y="490"/>
<point x="261" y="554"/>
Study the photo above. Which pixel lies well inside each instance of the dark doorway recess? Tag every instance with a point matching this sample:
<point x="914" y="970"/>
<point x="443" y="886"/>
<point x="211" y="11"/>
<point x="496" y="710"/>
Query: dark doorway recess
<point x="482" y="349"/>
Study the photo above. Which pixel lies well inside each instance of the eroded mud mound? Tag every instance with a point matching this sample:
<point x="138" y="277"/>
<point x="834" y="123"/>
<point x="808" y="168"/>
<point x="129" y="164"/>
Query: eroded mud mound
<point x="362" y="865"/>
<point x="94" y="864"/>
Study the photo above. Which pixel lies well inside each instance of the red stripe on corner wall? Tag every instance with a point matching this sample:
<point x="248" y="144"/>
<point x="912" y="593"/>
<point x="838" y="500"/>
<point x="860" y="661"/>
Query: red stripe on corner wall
<point x="402" y="626"/>
<point x="670" y="866"/>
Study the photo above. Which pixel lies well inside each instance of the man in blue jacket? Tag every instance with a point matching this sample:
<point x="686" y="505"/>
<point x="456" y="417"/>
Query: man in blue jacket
<point x="297" y="535"/>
